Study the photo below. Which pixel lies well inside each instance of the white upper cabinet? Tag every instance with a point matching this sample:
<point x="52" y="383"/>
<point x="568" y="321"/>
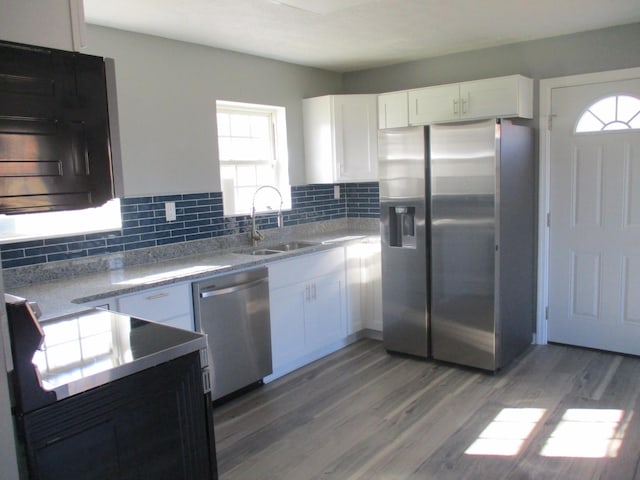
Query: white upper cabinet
<point x="340" y="138"/>
<point x="393" y="111"/>
<point x="510" y="96"/>
<point x="51" y="23"/>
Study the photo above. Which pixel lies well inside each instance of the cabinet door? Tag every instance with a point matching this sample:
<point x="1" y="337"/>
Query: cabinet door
<point x="393" y="111"/>
<point x="434" y="104"/>
<point x="355" y="138"/>
<point x="324" y="318"/>
<point x="287" y="325"/>
<point x="151" y="425"/>
<point x="319" y="142"/>
<point x="497" y="97"/>
<point x="372" y="287"/>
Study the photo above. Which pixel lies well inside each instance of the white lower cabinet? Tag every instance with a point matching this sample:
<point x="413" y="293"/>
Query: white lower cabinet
<point x="307" y="296"/>
<point x="286" y="306"/>
<point x="171" y="305"/>
<point x="365" y="286"/>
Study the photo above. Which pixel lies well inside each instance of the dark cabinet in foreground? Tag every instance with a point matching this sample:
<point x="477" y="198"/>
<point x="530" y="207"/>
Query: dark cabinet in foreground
<point x="102" y="395"/>
<point x="155" y="424"/>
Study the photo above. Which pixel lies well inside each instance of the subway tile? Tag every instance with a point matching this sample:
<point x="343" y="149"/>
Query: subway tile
<point x="105" y="250"/>
<point x="86" y="244"/>
<point x="11" y="254"/>
<point x="35" y="252"/>
<point x="27" y="244"/>
<point x="198" y="236"/>
<point x="137" y="245"/>
<point x="137" y="230"/>
<point x="54" y="257"/>
<point x="135" y="200"/>
<point x="166" y="241"/>
<point x="155" y="235"/>
<point x="169" y="226"/>
<point x="195" y="196"/>
<point x="21" y="262"/>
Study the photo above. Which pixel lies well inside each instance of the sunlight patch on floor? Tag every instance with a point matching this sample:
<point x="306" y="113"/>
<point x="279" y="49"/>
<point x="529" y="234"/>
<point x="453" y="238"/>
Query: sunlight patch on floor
<point x="587" y="433"/>
<point x="506" y="434"/>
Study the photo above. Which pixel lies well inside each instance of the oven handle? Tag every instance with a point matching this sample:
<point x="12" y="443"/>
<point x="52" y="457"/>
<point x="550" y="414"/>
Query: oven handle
<point x="214" y="292"/>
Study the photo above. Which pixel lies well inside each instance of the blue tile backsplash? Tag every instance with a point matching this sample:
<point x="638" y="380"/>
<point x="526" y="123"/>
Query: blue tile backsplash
<point x="198" y="216"/>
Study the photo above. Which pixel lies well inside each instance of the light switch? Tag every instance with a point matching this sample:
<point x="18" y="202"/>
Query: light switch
<point x="170" y="211"/>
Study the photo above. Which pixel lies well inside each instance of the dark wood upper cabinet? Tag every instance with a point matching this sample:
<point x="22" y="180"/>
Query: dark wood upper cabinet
<point x="54" y="130"/>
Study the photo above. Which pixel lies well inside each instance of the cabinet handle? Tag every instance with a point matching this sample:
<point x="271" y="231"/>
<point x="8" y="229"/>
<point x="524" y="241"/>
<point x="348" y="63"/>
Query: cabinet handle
<point x="386" y="121"/>
<point x="215" y="291"/>
<point x="313" y="290"/>
<point x="455" y="106"/>
<point x="465" y="103"/>
<point x="156" y="296"/>
<point x="416" y="106"/>
<point x="307" y="293"/>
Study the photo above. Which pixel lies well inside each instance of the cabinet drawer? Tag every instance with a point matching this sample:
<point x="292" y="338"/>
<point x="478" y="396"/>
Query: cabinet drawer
<point x="158" y="304"/>
<point x="305" y="267"/>
<point x="183" y="321"/>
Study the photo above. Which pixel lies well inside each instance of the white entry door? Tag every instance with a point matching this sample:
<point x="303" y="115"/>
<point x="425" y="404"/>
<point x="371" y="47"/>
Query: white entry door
<point x="594" y="249"/>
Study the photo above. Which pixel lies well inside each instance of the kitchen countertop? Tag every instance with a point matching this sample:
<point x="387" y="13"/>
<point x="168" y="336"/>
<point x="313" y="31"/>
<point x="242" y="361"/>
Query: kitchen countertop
<point x="67" y="296"/>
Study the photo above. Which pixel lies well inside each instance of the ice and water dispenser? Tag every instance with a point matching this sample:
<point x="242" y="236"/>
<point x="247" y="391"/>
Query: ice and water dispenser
<point x="402" y="227"/>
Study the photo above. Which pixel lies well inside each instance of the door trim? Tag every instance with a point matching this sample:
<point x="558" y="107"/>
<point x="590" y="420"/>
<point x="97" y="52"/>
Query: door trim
<point x="544" y="116"/>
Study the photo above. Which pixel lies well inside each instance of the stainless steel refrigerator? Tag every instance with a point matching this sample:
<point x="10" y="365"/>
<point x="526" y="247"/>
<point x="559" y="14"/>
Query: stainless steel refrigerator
<point x="457" y="229"/>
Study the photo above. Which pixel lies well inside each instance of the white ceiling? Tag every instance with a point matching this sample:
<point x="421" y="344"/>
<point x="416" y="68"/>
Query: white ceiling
<point x="347" y="35"/>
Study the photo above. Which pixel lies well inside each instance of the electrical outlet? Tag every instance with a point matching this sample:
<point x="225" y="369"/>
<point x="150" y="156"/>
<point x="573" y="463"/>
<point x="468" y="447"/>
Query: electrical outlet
<point x="170" y="211"/>
<point x="336" y="192"/>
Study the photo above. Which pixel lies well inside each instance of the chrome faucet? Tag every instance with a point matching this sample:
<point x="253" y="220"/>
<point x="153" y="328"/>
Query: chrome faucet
<point x="255" y="235"/>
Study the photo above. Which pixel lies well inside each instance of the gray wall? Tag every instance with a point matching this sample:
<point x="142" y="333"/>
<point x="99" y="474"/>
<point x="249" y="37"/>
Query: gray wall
<point x="166" y="99"/>
<point x="598" y="50"/>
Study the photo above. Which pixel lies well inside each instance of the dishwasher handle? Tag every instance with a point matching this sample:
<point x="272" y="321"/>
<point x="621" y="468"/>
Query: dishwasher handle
<point x="214" y="292"/>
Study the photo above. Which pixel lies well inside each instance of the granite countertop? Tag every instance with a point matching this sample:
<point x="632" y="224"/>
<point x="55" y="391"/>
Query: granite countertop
<point x="67" y="295"/>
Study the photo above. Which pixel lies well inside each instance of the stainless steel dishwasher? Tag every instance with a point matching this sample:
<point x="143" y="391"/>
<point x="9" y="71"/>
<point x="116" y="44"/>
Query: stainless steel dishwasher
<point x="233" y="310"/>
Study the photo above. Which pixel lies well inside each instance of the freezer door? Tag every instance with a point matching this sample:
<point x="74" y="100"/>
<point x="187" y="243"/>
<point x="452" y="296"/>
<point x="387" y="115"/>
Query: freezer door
<point x="463" y="243"/>
<point x="401" y="168"/>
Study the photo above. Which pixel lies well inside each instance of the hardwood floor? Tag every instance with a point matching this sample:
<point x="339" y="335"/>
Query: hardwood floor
<point x="562" y="413"/>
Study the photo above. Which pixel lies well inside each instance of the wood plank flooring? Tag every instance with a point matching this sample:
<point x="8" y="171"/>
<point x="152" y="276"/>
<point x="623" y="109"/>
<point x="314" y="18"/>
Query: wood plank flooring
<point x="556" y="413"/>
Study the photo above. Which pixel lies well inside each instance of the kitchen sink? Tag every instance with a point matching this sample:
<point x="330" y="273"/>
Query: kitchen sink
<point x="293" y="245"/>
<point x="263" y="251"/>
<point x="280" y="248"/>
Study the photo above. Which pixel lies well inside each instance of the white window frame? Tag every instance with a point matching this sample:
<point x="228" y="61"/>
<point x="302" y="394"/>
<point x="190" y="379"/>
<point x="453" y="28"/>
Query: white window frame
<point x="609" y="119"/>
<point x="277" y="158"/>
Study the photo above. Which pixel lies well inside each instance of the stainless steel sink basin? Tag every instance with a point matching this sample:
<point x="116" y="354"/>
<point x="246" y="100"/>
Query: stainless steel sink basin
<point x="283" y="247"/>
<point x="264" y="251"/>
<point x="293" y="245"/>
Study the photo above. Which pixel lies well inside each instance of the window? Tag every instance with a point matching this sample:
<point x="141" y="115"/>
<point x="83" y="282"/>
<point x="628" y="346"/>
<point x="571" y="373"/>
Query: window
<point x="618" y="112"/>
<point x="32" y="226"/>
<point x="252" y="148"/>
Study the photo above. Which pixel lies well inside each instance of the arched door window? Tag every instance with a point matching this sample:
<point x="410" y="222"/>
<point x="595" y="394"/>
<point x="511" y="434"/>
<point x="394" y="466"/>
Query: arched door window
<point x="618" y="112"/>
